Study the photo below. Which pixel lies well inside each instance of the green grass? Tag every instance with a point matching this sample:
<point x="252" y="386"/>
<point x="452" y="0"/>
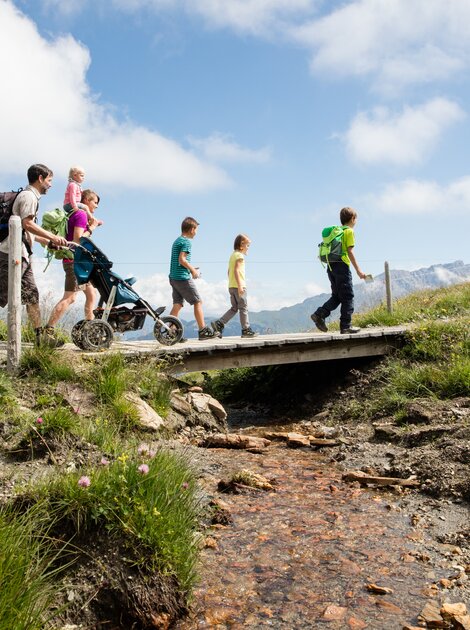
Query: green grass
<point x="157" y="509"/>
<point x="430" y="304"/>
<point x="45" y="364"/>
<point x="27" y="574"/>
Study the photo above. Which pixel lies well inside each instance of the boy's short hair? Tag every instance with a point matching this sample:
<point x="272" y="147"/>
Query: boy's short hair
<point x="239" y="240"/>
<point x="188" y="224"/>
<point x="75" y="169"/>
<point x="346" y="214"/>
<point x="35" y="170"/>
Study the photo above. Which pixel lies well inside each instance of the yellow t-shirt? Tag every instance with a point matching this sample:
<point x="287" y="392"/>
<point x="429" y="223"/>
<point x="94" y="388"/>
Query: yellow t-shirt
<point x="232" y="281"/>
<point x="348" y="241"/>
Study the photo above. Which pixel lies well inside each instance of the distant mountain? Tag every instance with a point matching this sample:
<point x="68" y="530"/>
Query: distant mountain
<point x="296" y="318"/>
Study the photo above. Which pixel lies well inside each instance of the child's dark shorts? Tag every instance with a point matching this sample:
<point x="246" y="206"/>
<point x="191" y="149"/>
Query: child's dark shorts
<point x="29" y="290"/>
<point x="184" y="290"/>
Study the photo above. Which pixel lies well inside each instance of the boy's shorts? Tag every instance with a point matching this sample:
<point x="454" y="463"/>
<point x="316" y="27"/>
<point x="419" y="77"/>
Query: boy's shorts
<point x="29" y="290"/>
<point x="184" y="290"/>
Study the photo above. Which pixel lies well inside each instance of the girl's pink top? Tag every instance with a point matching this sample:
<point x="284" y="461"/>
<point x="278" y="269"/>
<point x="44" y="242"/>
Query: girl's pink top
<point x="73" y="194"/>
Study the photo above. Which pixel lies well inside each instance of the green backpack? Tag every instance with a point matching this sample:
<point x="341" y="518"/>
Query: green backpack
<point x="56" y="221"/>
<point x="331" y="248"/>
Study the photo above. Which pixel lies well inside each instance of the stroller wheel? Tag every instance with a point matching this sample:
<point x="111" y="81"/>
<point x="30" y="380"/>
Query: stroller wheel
<point x="96" y="335"/>
<point x="76" y="333"/>
<point x="168" y="330"/>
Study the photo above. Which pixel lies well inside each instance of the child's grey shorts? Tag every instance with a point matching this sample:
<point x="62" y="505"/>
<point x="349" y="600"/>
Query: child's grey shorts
<point x="184" y="290"/>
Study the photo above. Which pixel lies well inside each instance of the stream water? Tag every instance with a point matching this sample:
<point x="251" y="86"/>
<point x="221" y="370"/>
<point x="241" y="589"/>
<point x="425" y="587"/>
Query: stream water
<point x="300" y="557"/>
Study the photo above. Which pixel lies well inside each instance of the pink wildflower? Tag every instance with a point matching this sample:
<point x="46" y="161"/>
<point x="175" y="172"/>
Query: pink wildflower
<point x="143" y="469"/>
<point x="143" y="449"/>
<point x="104" y="461"/>
<point x="84" y="482"/>
<point x="185" y="485"/>
<point x="39" y="420"/>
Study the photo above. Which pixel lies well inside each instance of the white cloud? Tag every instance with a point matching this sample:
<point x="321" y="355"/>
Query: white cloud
<point x="222" y="148"/>
<point x="395" y="43"/>
<point x="51" y="116"/>
<point x="424" y="197"/>
<point x="404" y="138"/>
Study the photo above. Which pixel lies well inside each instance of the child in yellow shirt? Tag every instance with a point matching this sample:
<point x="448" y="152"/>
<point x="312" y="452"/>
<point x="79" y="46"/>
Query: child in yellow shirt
<point x="237" y="289"/>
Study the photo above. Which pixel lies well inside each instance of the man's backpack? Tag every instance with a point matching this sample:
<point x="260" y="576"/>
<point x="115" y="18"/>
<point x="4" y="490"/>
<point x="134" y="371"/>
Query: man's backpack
<point x="7" y="199"/>
<point x="331" y="248"/>
<point x="56" y="221"/>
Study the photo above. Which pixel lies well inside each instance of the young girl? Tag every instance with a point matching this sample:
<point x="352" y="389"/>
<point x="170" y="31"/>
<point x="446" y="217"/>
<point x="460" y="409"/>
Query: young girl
<point x="73" y="193"/>
<point x="237" y="288"/>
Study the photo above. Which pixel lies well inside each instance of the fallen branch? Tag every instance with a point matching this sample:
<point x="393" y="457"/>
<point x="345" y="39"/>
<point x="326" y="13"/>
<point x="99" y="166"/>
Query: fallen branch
<point x="362" y="477"/>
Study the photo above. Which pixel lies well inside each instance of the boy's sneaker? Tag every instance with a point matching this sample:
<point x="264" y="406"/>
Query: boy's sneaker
<point x="207" y="333"/>
<point x="350" y="331"/>
<point x="319" y="322"/>
<point x="46" y="337"/>
<point x="218" y="326"/>
<point x="248" y="332"/>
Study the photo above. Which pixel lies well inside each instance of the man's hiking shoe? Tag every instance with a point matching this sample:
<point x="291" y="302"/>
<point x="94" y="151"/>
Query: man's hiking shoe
<point x="207" y="333"/>
<point x="319" y="322"/>
<point x="218" y="326"/>
<point x="46" y="337"/>
<point x="350" y="331"/>
<point x="248" y="332"/>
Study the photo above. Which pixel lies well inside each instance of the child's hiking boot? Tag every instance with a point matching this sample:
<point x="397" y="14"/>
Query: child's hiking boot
<point x="248" y="332"/>
<point x="207" y="333"/>
<point x="319" y="322"/>
<point x="218" y="326"/>
<point x="47" y="337"/>
<point x="350" y="331"/>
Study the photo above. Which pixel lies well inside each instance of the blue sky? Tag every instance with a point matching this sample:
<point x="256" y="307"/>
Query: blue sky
<point x="256" y="116"/>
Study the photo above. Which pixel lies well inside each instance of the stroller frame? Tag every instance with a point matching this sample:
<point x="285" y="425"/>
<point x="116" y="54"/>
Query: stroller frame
<point x="92" y="265"/>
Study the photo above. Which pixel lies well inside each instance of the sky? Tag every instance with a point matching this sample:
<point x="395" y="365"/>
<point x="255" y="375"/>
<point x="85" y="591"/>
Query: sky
<point x="262" y="117"/>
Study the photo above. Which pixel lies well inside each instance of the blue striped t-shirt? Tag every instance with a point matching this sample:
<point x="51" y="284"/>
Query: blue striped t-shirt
<point x="177" y="271"/>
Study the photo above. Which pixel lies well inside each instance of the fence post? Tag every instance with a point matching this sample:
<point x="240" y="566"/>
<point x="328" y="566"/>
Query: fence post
<point x="388" y="287"/>
<point x="14" y="295"/>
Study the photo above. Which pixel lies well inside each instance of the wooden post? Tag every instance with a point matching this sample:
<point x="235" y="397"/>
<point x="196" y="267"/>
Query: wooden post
<point x="388" y="287"/>
<point x="14" y="295"/>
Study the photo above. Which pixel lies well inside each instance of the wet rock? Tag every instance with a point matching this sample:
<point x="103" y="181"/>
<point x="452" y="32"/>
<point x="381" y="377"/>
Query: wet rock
<point x="232" y="440"/>
<point x="148" y="417"/>
<point x="334" y="613"/>
<point x="326" y="432"/>
<point x="379" y="590"/>
<point x="297" y="440"/>
<point x="431" y="616"/>
<point x="245" y="479"/>
<point x="389" y="607"/>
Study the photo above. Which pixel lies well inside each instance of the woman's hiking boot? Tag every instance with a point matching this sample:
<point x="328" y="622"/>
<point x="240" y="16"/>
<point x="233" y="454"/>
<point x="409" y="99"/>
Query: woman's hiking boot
<point x="248" y="332"/>
<point x="218" y="326"/>
<point x="319" y="322"/>
<point x="207" y="333"/>
<point x="46" y="336"/>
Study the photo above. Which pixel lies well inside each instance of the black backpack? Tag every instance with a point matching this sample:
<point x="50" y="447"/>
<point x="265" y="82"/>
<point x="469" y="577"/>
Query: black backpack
<point x="7" y="199"/>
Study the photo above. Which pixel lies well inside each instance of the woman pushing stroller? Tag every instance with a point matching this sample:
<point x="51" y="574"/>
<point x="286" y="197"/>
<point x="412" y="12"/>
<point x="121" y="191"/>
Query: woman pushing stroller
<point x="81" y="223"/>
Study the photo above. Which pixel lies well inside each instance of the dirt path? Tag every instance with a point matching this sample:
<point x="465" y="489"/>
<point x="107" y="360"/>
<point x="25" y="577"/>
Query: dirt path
<point x="302" y="555"/>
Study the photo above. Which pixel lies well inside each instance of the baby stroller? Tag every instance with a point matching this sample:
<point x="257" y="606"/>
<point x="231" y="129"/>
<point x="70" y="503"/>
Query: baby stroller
<point x="91" y="265"/>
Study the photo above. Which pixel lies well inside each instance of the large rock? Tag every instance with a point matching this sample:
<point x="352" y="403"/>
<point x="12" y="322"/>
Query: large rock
<point x="233" y="440"/>
<point x="148" y="417"/>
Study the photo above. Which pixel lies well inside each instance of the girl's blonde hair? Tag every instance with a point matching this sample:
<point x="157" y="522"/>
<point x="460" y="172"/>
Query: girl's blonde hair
<point x="74" y="170"/>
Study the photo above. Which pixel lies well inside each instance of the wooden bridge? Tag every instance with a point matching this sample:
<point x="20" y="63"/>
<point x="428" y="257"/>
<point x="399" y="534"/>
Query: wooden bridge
<point x="232" y="352"/>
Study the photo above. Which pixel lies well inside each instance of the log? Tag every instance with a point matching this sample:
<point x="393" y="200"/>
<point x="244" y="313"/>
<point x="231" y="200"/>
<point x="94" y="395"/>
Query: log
<point x="362" y="477"/>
